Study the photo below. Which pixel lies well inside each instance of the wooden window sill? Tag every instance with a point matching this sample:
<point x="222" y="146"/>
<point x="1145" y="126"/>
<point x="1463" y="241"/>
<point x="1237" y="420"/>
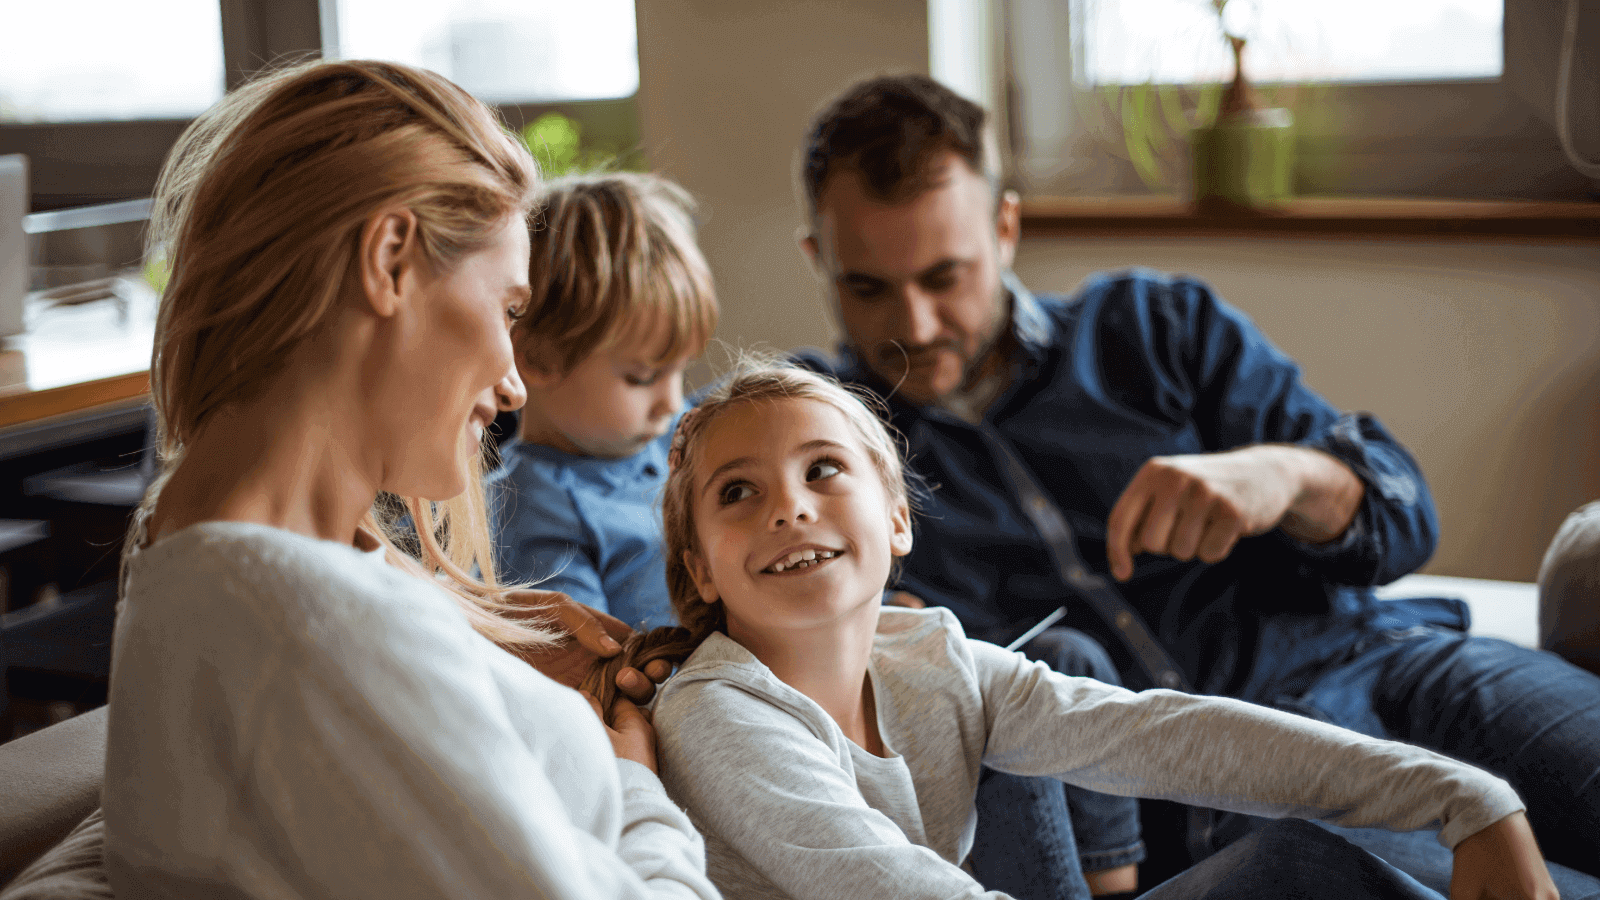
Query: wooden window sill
<point x="1329" y="217"/>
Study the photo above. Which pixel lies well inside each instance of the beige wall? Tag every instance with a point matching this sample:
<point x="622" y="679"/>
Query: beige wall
<point x="727" y="88"/>
<point x="1482" y="357"/>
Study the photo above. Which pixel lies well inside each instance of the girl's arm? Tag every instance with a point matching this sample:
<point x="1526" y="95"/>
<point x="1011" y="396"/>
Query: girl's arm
<point x="1224" y="753"/>
<point x="775" y="792"/>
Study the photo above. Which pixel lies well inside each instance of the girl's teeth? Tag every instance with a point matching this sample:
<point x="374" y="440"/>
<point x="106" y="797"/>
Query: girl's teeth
<point x="803" y="559"/>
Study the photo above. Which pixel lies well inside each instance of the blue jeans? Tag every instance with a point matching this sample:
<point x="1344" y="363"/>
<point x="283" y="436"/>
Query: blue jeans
<point x="1528" y="716"/>
<point x="1291" y="858"/>
<point x="1036" y="836"/>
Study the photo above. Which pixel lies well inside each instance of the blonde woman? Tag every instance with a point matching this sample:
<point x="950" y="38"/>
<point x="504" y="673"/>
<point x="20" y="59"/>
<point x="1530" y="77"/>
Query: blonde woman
<point x="298" y="707"/>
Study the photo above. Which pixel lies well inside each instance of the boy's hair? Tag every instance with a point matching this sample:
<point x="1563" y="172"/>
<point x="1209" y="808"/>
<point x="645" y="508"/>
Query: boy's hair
<point x="753" y="380"/>
<point x="888" y="129"/>
<point x="608" y="248"/>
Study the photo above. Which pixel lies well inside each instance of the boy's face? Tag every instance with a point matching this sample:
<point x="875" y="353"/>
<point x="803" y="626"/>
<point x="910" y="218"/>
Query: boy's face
<point x="613" y="402"/>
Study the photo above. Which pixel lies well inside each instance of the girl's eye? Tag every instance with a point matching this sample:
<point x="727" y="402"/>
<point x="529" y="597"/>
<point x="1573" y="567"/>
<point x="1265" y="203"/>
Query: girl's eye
<point x="822" y="468"/>
<point x="642" y="380"/>
<point x="735" y="491"/>
<point x="513" y="313"/>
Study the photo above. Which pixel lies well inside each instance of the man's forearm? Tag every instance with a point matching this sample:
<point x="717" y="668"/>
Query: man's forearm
<point x="1329" y="493"/>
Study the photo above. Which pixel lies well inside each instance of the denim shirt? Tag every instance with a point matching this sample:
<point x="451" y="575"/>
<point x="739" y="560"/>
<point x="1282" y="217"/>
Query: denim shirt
<point x="588" y="527"/>
<point x="1138" y="365"/>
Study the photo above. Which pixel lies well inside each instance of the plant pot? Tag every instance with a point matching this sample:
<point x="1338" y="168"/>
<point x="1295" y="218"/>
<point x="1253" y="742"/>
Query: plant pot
<point x="1244" y="163"/>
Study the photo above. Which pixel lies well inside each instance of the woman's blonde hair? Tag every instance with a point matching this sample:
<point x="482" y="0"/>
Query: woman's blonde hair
<point x="259" y="211"/>
<point x="610" y="251"/>
<point x="754" y="379"/>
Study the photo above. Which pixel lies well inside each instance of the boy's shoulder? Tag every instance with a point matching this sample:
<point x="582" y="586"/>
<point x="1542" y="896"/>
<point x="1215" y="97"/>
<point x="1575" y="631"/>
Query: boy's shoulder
<point x="528" y="466"/>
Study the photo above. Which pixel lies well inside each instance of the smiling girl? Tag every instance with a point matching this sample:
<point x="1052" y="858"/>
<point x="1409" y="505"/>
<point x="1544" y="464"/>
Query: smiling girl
<point x="829" y="747"/>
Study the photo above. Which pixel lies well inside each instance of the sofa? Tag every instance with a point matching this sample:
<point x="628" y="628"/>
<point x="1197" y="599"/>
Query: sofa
<point x="49" y="787"/>
<point x="50" y="780"/>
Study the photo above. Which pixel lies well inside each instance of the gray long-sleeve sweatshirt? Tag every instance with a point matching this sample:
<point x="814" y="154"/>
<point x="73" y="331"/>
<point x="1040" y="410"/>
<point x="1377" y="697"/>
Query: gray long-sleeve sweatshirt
<point x="791" y="808"/>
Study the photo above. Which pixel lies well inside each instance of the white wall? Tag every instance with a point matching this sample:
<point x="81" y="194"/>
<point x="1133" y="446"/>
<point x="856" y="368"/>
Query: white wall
<point x="1481" y="356"/>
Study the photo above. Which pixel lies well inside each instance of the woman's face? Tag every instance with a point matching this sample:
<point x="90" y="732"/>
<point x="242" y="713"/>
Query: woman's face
<point x="795" y="527"/>
<point x="452" y="371"/>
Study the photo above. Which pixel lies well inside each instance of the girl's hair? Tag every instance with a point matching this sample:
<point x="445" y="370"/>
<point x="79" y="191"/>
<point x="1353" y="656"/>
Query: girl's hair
<point x="753" y="380"/>
<point x="611" y="250"/>
<point x="259" y="211"/>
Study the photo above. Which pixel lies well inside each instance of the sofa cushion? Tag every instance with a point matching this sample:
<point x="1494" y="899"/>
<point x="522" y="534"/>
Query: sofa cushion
<point x="49" y="780"/>
<point x="71" y="870"/>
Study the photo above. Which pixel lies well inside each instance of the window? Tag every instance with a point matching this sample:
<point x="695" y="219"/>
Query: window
<point x="138" y="60"/>
<point x="97" y="110"/>
<point x="1180" y="41"/>
<point x="1446" y="98"/>
<point x="503" y="51"/>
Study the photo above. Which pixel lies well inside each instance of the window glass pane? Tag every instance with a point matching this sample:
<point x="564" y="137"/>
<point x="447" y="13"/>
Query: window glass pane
<point x="91" y="60"/>
<point x="1180" y="41"/>
<point x="503" y="51"/>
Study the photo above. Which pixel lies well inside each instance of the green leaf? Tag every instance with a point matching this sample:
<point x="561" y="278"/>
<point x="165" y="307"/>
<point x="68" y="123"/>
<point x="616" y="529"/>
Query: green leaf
<point x="553" y="139"/>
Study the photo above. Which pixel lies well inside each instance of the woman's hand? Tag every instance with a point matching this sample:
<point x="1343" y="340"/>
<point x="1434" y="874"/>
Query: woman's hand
<point x="594" y="636"/>
<point x="1501" y="862"/>
<point x="633" y="737"/>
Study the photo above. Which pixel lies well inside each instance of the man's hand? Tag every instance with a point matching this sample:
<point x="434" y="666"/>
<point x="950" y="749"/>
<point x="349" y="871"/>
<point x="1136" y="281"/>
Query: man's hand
<point x="633" y="737"/>
<point x="594" y="636"/>
<point x="1200" y="505"/>
<point x="1501" y="862"/>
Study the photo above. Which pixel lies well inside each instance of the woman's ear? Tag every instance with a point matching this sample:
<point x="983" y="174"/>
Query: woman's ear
<point x="701" y="575"/>
<point x="389" y="258"/>
<point x="900" y="529"/>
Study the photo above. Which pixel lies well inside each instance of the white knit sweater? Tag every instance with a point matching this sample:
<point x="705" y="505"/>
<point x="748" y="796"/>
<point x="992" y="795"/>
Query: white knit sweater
<point x="293" y="718"/>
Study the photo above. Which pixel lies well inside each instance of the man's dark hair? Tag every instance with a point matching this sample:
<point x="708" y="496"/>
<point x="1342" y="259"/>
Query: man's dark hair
<point x="887" y="129"/>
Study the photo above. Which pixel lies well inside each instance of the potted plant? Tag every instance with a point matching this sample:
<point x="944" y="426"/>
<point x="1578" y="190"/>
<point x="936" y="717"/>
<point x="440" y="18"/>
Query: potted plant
<point x="1242" y="161"/>
<point x="1231" y="147"/>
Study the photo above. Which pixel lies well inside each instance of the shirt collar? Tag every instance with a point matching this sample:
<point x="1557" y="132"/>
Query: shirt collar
<point x="1034" y="331"/>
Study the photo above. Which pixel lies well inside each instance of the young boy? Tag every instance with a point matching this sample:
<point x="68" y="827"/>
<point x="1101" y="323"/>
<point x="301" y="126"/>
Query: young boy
<point x="622" y="301"/>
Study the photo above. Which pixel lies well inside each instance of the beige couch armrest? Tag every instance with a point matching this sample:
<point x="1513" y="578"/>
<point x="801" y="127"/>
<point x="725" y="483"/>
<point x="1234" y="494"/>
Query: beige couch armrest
<point x="49" y="781"/>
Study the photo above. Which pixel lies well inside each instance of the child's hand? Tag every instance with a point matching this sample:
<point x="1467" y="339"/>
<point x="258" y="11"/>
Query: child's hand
<point x="633" y="737"/>
<point x="595" y="636"/>
<point x="1501" y="862"/>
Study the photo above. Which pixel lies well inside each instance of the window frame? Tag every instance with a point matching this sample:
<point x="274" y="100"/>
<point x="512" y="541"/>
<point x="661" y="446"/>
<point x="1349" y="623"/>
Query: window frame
<point x="1465" y="138"/>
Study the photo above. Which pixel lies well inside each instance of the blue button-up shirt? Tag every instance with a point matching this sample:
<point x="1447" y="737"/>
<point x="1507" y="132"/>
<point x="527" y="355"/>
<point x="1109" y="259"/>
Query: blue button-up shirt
<point x="1138" y="365"/>
<point x="588" y="527"/>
